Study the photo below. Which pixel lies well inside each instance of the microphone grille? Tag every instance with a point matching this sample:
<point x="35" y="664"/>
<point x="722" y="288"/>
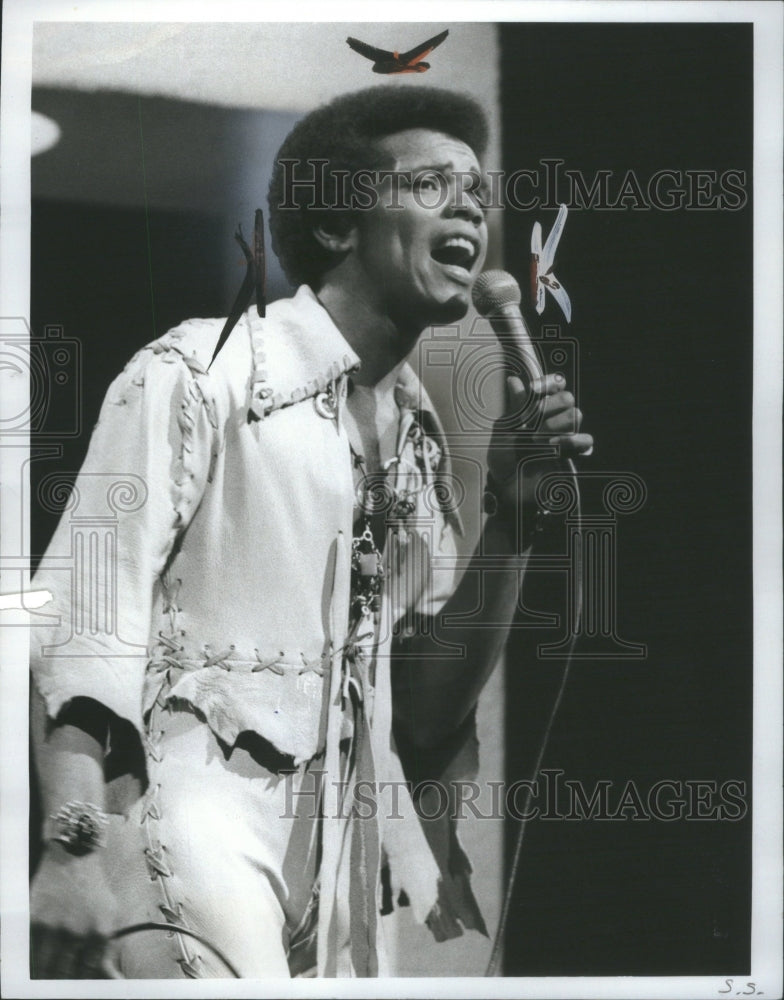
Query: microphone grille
<point x="493" y="290"/>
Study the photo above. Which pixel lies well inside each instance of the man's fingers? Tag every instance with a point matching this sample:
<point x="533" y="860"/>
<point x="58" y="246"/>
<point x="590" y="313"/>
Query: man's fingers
<point x="50" y="952"/>
<point x="562" y="422"/>
<point x="43" y="951"/>
<point x="557" y="403"/>
<point x="549" y="385"/>
<point x="67" y="964"/>
<point x="546" y="386"/>
<point x="56" y="953"/>
<point x="573" y="444"/>
<point x="555" y="417"/>
<point x="541" y="411"/>
<point x="515" y="393"/>
<point x="91" y="957"/>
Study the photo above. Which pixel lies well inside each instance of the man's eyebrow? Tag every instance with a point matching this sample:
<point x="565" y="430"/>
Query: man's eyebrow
<point x="442" y="168"/>
<point x="482" y="188"/>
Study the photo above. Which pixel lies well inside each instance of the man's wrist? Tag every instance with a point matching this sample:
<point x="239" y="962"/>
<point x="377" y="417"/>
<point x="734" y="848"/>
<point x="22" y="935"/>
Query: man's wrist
<point x="79" y="827"/>
<point x="510" y="515"/>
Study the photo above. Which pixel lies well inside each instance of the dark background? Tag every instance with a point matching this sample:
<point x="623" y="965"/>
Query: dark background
<point x="663" y="316"/>
<point x="662" y="311"/>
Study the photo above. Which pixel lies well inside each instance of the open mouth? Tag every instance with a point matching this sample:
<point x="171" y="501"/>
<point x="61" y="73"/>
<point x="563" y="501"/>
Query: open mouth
<point x="457" y="251"/>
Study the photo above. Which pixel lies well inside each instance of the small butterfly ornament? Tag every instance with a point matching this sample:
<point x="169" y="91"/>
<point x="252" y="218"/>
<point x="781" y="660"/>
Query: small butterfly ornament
<point x="542" y="261"/>
<point x="395" y="62"/>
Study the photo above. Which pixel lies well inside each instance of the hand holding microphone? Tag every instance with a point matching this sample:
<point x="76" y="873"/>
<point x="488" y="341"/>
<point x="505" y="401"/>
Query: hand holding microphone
<point x="539" y="403"/>
<point x="496" y="296"/>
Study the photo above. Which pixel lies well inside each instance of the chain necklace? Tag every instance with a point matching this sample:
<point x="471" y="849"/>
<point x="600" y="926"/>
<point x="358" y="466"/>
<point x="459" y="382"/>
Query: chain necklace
<point x="367" y="560"/>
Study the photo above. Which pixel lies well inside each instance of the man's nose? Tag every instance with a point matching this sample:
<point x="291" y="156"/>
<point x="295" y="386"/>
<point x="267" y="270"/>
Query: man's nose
<point x="463" y="200"/>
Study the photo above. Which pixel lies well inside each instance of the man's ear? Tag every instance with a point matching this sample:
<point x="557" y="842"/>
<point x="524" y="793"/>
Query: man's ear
<point x="336" y="232"/>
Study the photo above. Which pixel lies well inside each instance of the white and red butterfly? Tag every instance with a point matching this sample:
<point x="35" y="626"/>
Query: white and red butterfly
<point x="542" y="261"/>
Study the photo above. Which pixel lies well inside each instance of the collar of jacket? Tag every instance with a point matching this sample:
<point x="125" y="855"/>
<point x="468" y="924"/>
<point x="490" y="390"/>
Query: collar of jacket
<point x="298" y="352"/>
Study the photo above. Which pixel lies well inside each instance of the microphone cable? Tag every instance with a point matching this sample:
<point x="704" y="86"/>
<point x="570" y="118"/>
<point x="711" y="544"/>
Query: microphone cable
<point x="496" y="296"/>
<point x="111" y="971"/>
<point x="498" y="940"/>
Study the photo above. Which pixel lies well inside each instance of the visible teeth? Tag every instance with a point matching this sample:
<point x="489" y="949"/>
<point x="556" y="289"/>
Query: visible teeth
<point x="456" y="251"/>
<point x="459" y="241"/>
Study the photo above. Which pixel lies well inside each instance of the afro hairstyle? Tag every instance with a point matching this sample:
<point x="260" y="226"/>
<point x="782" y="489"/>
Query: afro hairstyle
<point x="342" y="133"/>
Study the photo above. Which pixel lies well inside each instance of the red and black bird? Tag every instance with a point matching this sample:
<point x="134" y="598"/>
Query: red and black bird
<point x="395" y="62"/>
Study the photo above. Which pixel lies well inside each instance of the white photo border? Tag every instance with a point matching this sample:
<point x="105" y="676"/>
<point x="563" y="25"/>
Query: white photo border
<point x="766" y="960"/>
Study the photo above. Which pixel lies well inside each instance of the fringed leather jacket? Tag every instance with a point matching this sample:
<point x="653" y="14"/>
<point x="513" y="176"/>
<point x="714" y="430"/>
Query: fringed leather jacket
<point x="205" y="555"/>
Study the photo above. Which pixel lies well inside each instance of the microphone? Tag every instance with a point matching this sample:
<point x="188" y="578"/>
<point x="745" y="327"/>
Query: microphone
<point x="497" y="297"/>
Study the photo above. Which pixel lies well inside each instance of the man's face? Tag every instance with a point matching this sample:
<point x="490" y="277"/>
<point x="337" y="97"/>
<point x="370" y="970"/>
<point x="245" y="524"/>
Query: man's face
<point x="418" y="262"/>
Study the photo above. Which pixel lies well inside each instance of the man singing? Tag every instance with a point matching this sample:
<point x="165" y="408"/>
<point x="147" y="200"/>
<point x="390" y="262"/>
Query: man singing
<point x="284" y="559"/>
